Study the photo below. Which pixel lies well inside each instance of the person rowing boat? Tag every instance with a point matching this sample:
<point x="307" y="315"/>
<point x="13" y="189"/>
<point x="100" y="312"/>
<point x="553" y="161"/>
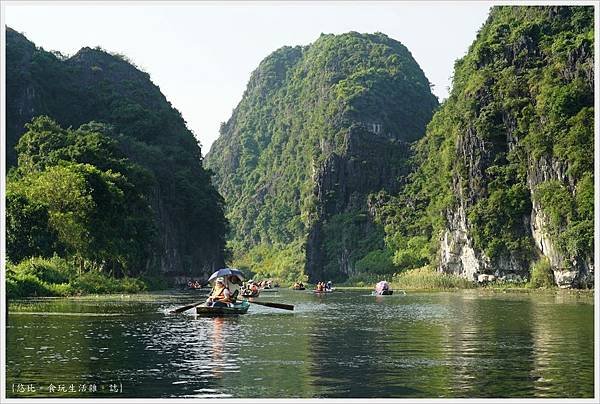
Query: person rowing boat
<point x="220" y="295"/>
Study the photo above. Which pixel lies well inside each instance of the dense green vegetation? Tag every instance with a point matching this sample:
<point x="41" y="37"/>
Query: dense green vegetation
<point x="516" y="128"/>
<point x="300" y="154"/>
<point x="348" y="244"/>
<point x="58" y="277"/>
<point x="83" y="195"/>
<point x="283" y="263"/>
<point x="428" y="278"/>
<point x="541" y="275"/>
<point x="125" y="194"/>
<point x="76" y="204"/>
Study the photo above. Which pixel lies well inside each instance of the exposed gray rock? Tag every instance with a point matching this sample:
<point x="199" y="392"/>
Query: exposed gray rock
<point x="457" y="254"/>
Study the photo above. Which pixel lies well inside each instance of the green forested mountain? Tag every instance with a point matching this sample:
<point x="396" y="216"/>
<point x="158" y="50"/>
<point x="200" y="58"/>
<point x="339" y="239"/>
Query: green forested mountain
<point x="126" y="191"/>
<point x="504" y="177"/>
<point x="318" y="130"/>
<point x="332" y="166"/>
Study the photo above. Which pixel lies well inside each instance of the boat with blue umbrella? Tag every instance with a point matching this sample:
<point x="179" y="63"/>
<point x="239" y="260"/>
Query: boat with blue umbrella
<point x="223" y="272"/>
<point x="230" y="305"/>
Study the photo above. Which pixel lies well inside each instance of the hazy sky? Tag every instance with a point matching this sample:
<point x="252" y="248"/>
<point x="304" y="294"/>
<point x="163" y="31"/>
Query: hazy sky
<point x="201" y="54"/>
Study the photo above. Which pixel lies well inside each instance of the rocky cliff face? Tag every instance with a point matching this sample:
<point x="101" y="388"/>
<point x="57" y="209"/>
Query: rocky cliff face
<point x="570" y="270"/>
<point x="368" y="164"/>
<point x="521" y="143"/>
<point x="320" y="128"/>
<point x="95" y="85"/>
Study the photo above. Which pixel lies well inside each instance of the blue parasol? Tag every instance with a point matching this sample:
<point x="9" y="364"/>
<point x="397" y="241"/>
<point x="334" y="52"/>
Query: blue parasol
<point x="227" y="272"/>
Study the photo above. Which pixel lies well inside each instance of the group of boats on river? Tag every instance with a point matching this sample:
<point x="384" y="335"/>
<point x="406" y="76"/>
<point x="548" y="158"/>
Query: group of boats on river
<point x="322" y="287"/>
<point x="249" y="289"/>
<point x="230" y="293"/>
<point x="253" y="288"/>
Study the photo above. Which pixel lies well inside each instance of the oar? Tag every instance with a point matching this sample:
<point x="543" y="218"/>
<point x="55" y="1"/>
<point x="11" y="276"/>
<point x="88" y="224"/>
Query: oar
<point x="274" y="305"/>
<point x="184" y="308"/>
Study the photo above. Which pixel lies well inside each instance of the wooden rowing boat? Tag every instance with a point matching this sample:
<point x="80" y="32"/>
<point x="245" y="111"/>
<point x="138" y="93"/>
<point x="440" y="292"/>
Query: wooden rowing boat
<point x="209" y="311"/>
<point x="250" y="293"/>
<point x="323" y="291"/>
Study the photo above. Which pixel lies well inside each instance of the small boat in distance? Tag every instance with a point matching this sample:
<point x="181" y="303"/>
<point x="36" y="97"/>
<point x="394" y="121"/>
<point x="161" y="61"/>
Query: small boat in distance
<point x="251" y="289"/>
<point x="194" y="285"/>
<point x="323" y="287"/>
<point x="383" y="288"/>
<point x="298" y="286"/>
<point x="250" y="293"/>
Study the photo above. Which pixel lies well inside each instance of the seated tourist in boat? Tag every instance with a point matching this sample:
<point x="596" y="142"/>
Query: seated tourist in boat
<point x="234" y="284"/>
<point x="220" y="295"/>
<point x="329" y="285"/>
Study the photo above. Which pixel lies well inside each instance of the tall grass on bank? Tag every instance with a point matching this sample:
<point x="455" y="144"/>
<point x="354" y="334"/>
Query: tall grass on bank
<point x="427" y="278"/>
<point x="57" y="277"/>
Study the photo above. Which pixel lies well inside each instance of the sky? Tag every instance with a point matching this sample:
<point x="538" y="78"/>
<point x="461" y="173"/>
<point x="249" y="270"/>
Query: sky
<point x="201" y="54"/>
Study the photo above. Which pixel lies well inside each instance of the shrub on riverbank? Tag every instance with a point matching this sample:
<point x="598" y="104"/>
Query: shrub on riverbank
<point x="427" y="278"/>
<point x="542" y="275"/>
<point x="57" y="277"/>
<point x="37" y="277"/>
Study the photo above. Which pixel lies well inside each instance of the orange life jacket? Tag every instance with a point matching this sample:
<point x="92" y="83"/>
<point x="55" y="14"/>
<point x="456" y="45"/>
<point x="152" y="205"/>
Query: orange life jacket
<point x="218" y="293"/>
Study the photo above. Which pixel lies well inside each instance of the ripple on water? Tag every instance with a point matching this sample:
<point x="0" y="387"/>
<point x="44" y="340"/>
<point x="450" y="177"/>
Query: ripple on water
<point x="425" y="345"/>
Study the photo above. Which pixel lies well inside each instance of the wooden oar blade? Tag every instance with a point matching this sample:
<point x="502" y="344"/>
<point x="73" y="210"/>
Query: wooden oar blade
<point x="275" y="305"/>
<point x="184" y="308"/>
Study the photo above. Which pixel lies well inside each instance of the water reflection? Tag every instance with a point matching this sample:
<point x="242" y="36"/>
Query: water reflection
<point x="468" y="344"/>
<point x="217" y="347"/>
<point x="494" y="345"/>
<point x="556" y="337"/>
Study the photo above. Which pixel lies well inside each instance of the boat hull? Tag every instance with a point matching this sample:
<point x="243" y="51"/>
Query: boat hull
<point x="237" y="309"/>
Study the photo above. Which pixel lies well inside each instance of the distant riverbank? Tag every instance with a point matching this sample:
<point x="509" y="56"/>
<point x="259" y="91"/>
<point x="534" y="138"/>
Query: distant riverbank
<point x="55" y="277"/>
<point x="427" y="279"/>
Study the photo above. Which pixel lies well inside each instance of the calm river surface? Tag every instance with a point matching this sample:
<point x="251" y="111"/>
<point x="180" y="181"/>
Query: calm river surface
<point x="345" y="344"/>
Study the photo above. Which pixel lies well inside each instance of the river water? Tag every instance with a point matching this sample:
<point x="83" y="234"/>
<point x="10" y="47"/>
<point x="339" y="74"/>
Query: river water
<point x="472" y="343"/>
